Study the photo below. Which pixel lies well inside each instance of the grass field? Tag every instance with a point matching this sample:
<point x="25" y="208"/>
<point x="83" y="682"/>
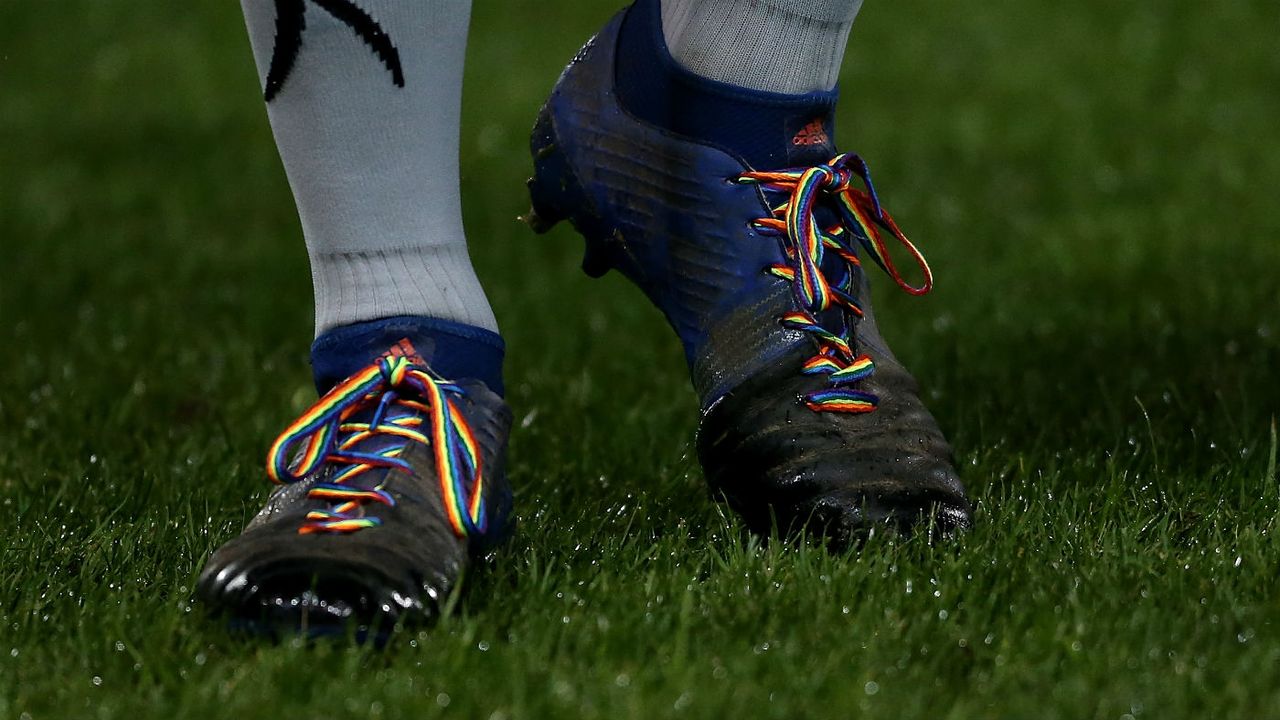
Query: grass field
<point x="1092" y="181"/>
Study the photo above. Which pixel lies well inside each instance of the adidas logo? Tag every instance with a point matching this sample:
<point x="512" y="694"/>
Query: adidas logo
<point x="405" y="349"/>
<point x="812" y="134"/>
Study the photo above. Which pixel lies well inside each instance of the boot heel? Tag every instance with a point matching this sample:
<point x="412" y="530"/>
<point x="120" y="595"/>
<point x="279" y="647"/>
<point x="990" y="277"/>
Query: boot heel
<point x="547" y="200"/>
<point x="555" y="194"/>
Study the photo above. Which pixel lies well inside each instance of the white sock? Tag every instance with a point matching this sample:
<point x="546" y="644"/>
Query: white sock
<point x="782" y="46"/>
<point x="366" y="120"/>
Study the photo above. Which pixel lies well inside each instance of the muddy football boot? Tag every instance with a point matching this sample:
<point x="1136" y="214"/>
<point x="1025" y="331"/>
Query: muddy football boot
<point x="389" y="485"/>
<point x="753" y="248"/>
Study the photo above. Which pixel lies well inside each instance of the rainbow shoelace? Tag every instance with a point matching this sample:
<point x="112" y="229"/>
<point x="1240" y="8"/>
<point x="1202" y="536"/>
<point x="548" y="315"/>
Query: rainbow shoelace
<point x="806" y="245"/>
<point x="410" y="404"/>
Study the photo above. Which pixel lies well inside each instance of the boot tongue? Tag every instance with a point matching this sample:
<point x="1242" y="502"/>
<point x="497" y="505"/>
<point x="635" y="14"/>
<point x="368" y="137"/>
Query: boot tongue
<point x="778" y="132"/>
<point x="452" y="350"/>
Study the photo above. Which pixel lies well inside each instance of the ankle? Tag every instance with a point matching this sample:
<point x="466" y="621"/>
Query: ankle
<point x="781" y="46"/>
<point x="434" y="281"/>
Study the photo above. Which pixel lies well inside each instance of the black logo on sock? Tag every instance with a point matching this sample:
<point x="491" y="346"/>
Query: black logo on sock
<point x="290" y="22"/>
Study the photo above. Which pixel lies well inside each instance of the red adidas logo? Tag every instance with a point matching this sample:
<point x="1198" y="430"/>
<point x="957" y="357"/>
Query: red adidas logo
<point x="812" y="134"/>
<point x="405" y="349"/>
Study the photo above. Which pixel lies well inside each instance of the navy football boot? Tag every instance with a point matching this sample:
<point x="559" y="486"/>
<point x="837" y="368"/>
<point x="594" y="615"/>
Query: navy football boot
<point x="732" y="211"/>
<point x="389" y="485"/>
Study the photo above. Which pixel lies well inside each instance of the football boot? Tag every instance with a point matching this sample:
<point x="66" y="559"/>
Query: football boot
<point x="388" y="487"/>
<point x="735" y="215"/>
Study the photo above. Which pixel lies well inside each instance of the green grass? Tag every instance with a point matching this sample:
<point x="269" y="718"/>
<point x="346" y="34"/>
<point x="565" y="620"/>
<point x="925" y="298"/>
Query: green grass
<point x="1092" y="181"/>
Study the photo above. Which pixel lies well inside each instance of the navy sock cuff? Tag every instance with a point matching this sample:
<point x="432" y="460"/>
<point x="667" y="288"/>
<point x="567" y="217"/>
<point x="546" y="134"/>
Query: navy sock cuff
<point x="453" y="350"/>
<point x="766" y="130"/>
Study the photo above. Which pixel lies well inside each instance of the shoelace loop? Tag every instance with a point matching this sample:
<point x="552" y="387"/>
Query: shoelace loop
<point x="806" y="244"/>
<point x="408" y="397"/>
